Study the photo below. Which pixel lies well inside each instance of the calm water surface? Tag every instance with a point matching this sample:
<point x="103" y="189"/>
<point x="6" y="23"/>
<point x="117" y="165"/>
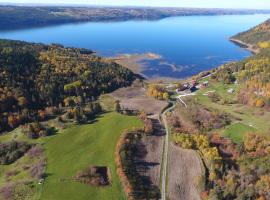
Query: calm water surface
<point x="189" y="44"/>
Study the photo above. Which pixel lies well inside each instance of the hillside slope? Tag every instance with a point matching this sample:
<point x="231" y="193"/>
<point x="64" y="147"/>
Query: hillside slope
<point x="230" y="114"/>
<point x="252" y="74"/>
<point x="258" y="37"/>
<point x="35" y="77"/>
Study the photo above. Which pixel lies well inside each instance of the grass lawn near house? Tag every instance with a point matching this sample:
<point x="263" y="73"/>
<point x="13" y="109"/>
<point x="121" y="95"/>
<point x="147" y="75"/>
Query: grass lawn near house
<point x="237" y="131"/>
<point x="244" y="118"/>
<point x="82" y="146"/>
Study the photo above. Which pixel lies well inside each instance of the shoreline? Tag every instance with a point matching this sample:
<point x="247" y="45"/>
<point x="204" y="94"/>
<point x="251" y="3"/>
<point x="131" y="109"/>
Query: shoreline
<point x="244" y="45"/>
<point x="134" y="61"/>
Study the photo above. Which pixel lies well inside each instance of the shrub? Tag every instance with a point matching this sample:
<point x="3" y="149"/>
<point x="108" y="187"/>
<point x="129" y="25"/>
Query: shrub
<point x="35" y="151"/>
<point x="38" y="169"/>
<point x="214" y="97"/>
<point x="259" y="103"/>
<point x="7" y="192"/>
<point x="12" y="151"/>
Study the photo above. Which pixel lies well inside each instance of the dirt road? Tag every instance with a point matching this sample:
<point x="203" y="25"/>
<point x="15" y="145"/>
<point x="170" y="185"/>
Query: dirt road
<point x="184" y="168"/>
<point x="165" y="154"/>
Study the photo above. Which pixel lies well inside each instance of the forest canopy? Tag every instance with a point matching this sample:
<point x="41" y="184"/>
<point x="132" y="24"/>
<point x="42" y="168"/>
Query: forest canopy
<point x="36" y="76"/>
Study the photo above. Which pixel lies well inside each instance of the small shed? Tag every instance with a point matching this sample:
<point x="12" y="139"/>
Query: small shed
<point x="205" y="83"/>
<point x="231" y="90"/>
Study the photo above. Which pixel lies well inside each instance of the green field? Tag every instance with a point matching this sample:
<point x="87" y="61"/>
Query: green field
<point x="70" y="151"/>
<point x="237" y="131"/>
<point x="80" y="147"/>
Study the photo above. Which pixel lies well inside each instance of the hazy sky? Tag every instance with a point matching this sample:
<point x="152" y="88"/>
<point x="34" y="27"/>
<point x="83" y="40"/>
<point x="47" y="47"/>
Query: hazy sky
<point x="256" y="4"/>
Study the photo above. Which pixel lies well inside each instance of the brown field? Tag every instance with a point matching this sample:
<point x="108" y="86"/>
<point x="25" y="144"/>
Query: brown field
<point x="185" y="171"/>
<point x="149" y="157"/>
<point x="135" y="98"/>
<point x="154" y="151"/>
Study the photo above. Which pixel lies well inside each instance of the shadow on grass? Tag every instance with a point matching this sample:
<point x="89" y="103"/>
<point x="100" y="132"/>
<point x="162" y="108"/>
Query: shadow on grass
<point x="93" y="119"/>
<point x="46" y="175"/>
<point x="52" y="131"/>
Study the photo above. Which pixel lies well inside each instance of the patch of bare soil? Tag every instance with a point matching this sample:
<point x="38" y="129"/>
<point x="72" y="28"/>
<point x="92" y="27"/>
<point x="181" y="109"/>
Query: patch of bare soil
<point x="135" y="98"/>
<point x="185" y="170"/>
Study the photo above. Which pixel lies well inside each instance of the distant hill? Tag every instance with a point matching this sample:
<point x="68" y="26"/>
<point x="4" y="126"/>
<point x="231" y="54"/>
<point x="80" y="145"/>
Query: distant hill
<point x="14" y="17"/>
<point x="255" y="38"/>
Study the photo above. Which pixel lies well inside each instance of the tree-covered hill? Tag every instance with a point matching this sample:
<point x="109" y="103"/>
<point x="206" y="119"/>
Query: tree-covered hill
<point x="252" y="74"/>
<point x="36" y="76"/>
<point x="230" y="111"/>
<point x="245" y="175"/>
<point x="258" y="37"/>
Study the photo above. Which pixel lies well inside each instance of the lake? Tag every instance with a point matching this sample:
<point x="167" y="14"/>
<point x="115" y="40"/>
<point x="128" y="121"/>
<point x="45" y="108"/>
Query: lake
<point x="187" y="45"/>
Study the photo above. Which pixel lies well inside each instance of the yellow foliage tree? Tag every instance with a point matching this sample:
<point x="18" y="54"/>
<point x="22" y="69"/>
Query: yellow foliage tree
<point x="260" y="103"/>
<point x="264" y="45"/>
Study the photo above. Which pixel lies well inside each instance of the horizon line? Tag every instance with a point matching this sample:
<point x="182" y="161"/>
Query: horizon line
<point x="119" y="6"/>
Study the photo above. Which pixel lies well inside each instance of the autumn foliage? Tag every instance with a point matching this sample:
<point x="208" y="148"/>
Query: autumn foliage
<point x="120" y="168"/>
<point x="157" y="92"/>
<point x="35" y="77"/>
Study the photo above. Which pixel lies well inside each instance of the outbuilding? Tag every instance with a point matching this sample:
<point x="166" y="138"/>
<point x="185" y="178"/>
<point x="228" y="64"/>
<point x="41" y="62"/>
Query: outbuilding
<point x="231" y="90"/>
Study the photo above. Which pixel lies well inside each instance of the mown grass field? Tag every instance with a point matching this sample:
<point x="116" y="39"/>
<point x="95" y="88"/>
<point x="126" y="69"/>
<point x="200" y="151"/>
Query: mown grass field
<point x="80" y="147"/>
<point x="70" y="151"/>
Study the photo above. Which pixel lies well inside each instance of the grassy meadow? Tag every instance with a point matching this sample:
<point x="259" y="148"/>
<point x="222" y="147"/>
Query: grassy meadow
<point x="72" y="150"/>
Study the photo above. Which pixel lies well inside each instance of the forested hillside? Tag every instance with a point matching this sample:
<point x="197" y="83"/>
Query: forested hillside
<point x="253" y="73"/>
<point x="227" y="121"/>
<point x="244" y="174"/>
<point x="36" y="77"/>
<point x="258" y="37"/>
<point x="253" y="77"/>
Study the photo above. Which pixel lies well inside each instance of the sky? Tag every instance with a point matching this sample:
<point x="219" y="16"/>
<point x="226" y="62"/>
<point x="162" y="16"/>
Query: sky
<point x="250" y="4"/>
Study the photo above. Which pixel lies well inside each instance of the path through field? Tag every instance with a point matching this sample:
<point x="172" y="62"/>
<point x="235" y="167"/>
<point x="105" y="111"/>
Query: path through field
<point x="184" y="168"/>
<point x="165" y="154"/>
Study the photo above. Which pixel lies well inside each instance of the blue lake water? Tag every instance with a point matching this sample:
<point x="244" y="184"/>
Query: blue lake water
<point x="191" y="44"/>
